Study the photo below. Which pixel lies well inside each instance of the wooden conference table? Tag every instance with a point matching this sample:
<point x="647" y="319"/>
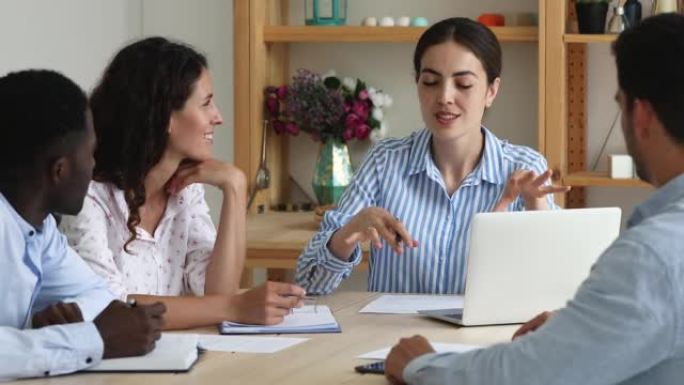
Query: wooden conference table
<point x="324" y="359"/>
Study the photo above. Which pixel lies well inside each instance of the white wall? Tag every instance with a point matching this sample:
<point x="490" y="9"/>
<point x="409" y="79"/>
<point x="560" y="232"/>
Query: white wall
<point x="79" y="37"/>
<point x="75" y="37"/>
<point x="208" y="26"/>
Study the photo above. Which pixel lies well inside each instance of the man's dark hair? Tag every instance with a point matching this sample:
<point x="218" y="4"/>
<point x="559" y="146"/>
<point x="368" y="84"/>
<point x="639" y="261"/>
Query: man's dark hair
<point x="38" y="109"/>
<point x="650" y="64"/>
<point x="475" y="36"/>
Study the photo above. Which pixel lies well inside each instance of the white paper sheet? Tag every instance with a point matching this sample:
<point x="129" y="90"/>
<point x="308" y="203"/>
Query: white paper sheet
<point x="410" y="304"/>
<point x="440" y="347"/>
<point x="247" y="344"/>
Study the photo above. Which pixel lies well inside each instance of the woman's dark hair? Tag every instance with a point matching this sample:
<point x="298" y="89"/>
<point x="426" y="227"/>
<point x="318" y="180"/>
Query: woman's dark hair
<point x="650" y="65"/>
<point x="479" y="39"/>
<point x="132" y="105"/>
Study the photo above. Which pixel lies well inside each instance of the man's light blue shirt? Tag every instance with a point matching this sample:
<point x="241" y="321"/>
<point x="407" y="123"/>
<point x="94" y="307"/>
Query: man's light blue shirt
<point x="39" y="269"/>
<point x="624" y="325"/>
<point x="400" y="176"/>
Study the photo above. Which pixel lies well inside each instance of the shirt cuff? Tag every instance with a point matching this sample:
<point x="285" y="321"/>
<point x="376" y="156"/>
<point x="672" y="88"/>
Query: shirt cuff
<point x="86" y="344"/>
<point x="335" y="264"/>
<point x="412" y="371"/>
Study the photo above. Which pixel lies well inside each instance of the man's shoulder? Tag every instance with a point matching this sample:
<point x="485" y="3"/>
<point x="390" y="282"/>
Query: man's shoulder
<point x="661" y="235"/>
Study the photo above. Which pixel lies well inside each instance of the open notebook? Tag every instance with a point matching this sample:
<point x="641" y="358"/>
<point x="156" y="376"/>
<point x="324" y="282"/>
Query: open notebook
<point x="173" y="353"/>
<point x="305" y="320"/>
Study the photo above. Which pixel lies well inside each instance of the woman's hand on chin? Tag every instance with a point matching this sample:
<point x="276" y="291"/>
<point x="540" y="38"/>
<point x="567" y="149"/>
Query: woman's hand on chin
<point x="222" y="175"/>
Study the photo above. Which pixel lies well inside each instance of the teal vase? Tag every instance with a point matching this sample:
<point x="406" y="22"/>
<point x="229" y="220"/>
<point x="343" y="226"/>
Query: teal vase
<point x="333" y="172"/>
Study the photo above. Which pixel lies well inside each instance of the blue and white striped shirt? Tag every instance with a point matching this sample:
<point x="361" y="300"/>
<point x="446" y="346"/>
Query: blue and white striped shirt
<point x="400" y="176"/>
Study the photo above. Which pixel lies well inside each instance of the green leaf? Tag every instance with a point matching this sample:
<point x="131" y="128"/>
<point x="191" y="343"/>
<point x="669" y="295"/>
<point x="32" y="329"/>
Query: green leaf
<point x="332" y="83"/>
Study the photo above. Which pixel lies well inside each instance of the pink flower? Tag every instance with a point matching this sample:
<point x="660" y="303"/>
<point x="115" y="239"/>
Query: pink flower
<point x="362" y="131"/>
<point x="348" y="134"/>
<point x="363" y="95"/>
<point x="347" y="107"/>
<point x="292" y="128"/>
<point x="278" y="126"/>
<point x="361" y="109"/>
<point x="272" y="105"/>
<point x="352" y="121"/>
<point x="281" y="92"/>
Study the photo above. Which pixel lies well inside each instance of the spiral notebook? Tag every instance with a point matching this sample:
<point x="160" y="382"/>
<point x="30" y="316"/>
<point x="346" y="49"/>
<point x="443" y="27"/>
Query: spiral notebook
<point x="305" y="320"/>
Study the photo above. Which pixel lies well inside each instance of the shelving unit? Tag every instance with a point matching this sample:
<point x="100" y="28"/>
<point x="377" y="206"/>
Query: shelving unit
<point x="565" y="112"/>
<point x="596" y="179"/>
<point x="353" y="34"/>
<point x="262" y="39"/>
<point x="580" y="38"/>
<point x="263" y="36"/>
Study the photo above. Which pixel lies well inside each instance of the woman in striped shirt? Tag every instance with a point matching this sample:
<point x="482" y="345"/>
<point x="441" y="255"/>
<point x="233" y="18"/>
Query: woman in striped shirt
<point x="413" y="198"/>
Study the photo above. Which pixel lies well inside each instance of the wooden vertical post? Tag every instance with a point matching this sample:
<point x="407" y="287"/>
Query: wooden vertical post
<point x="576" y="114"/>
<point x="553" y="27"/>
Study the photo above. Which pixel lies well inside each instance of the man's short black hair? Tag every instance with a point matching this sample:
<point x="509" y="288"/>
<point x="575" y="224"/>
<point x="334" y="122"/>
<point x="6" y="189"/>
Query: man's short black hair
<point x="38" y="109"/>
<point x="650" y="64"/>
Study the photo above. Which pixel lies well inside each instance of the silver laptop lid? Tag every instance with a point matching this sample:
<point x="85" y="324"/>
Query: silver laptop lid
<point x="523" y="263"/>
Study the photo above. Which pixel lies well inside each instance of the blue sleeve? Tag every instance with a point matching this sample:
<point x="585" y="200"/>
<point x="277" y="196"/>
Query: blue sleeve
<point x="67" y="278"/>
<point x="621" y="322"/>
<point x="48" y="351"/>
<point x="318" y="270"/>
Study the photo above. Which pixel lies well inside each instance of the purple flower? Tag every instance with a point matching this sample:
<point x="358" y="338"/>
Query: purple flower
<point x="323" y="111"/>
<point x="272" y="105"/>
<point x="361" y="109"/>
<point x="281" y="92"/>
<point x="362" y="131"/>
<point x="352" y="121"/>
<point x="278" y="126"/>
<point x="348" y="134"/>
<point x="292" y="128"/>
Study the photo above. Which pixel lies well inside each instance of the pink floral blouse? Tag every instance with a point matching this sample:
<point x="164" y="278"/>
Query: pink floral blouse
<point x="172" y="261"/>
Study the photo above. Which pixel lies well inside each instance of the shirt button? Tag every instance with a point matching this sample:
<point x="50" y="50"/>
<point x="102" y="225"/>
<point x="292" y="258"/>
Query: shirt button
<point x="31" y="233"/>
<point x="47" y="373"/>
<point x="89" y="360"/>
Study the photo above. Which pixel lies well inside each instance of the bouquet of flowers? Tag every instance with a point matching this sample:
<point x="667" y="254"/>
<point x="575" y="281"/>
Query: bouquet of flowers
<point x="327" y="108"/>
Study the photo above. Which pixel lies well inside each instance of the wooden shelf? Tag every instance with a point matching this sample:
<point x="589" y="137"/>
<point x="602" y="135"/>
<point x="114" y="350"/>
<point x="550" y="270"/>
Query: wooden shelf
<point x="352" y="34"/>
<point x="587" y="38"/>
<point x="595" y="179"/>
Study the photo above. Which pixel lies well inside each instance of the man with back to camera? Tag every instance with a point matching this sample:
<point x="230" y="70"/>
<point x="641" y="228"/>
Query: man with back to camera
<point x="626" y="322"/>
<point x="46" y="162"/>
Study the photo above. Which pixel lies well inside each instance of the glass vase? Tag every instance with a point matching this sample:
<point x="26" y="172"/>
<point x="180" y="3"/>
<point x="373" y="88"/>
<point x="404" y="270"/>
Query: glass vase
<point x="333" y="172"/>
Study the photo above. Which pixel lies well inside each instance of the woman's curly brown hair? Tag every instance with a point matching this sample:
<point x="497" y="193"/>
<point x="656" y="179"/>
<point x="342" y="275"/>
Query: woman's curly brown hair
<point x="132" y="105"/>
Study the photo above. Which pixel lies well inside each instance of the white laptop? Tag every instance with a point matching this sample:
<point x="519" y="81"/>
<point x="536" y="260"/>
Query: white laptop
<point x="523" y="263"/>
